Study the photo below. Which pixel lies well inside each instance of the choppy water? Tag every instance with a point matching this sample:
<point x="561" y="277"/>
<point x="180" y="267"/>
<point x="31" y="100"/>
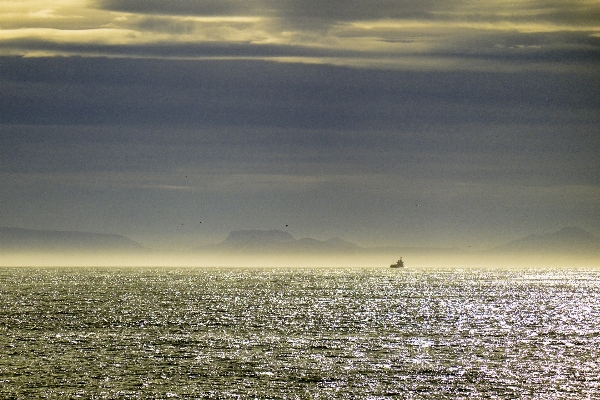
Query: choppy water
<point x="299" y="334"/>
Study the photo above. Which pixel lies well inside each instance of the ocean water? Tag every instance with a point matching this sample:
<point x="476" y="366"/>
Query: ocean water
<point x="227" y="333"/>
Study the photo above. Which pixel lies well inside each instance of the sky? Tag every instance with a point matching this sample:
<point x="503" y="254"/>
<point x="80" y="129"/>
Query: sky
<point x="445" y="123"/>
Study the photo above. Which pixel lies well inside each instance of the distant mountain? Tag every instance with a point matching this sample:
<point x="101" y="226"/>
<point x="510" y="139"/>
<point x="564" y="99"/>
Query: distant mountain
<point x="257" y="238"/>
<point x="17" y="239"/>
<point x="566" y="240"/>
<point x="277" y="241"/>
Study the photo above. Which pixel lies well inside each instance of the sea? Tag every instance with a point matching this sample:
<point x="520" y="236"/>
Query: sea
<point x="309" y="333"/>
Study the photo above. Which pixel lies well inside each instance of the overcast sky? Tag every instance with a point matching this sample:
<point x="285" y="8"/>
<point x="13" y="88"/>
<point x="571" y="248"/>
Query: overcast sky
<point x="407" y="122"/>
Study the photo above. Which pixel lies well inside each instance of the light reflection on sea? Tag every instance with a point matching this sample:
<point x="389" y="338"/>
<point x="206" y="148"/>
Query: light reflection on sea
<point x="295" y="334"/>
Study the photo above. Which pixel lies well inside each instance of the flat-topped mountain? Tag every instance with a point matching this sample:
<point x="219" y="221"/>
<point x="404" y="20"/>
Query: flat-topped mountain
<point x="566" y="240"/>
<point x="17" y="239"/>
<point x="277" y="241"/>
<point x="256" y="237"/>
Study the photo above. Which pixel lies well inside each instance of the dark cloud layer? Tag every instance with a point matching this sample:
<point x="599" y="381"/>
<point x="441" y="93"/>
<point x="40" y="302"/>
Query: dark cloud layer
<point x="575" y="52"/>
<point x="311" y="13"/>
<point x="289" y="9"/>
<point x="290" y="106"/>
<point x="264" y="117"/>
<point x="173" y="50"/>
<point x="184" y="7"/>
<point x="73" y="114"/>
<point x="83" y="90"/>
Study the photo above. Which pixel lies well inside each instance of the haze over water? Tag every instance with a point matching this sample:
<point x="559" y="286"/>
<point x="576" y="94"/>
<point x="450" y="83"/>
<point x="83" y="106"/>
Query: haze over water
<point x="299" y="333"/>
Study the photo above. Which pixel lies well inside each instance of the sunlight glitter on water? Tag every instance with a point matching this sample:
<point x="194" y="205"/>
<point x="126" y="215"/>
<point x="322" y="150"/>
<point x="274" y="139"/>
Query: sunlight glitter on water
<point x="311" y="333"/>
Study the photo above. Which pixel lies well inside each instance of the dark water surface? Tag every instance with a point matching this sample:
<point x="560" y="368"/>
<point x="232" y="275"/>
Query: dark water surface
<point x="299" y="334"/>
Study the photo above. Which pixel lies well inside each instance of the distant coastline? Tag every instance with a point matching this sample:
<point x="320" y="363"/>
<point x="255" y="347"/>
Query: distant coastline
<point x="567" y="240"/>
<point x="18" y="239"/>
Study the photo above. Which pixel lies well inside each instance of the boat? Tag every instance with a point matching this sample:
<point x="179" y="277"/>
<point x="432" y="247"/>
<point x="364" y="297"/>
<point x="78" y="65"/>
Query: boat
<point x="399" y="264"/>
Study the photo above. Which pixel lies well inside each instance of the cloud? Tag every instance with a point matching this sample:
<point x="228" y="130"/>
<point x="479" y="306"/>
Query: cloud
<point x="309" y="14"/>
<point x="389" y="34"/>
<point x="185" y="7"/>
<point x="66" y="115"/>
<point x="255" y="93"/>
<point x="57" y="14"/>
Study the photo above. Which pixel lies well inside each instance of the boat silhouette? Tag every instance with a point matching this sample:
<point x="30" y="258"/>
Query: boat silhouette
<point x="399" y="264"/>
